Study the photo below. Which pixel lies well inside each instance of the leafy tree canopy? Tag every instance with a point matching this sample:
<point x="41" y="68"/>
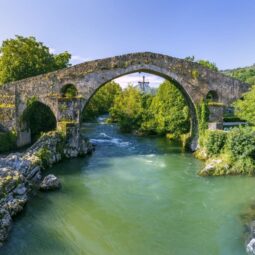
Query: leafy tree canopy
<point x="164" y="113"/>
<point x="24" y="57"/>
<point x="245" y="74"/>
<point x="245" y="108"/>
<point x="127" y="109"/>
<point x="102" y="101"/>
<point x="168" y="112"/>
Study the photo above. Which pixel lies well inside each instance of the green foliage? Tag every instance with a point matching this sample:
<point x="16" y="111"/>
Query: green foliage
<point x="24" y="57"/>
<point x="245" y="74"/>
<point x="208" y="64"/>
<point x="39" y="118"/>
<point x="31" y="100"/>
<point x="243" y="166"/>
<point x="231" y="153"/>
<point x="128" y="109"/>
<point x="164" y="113"/>
<point x="204" y="63"/>
<point x="214" y="141"/>
<point x="167" y="113"/>
<point x="203" y="116"/>
<point x="44" y="155"/>
<point x="241" y="142"/>
<point x="195" y="74"/>
<point x="69" y="91"/>
<point x="7" y="141"/>
<point x="102" y="101"/>
<point x="245" y="108"/>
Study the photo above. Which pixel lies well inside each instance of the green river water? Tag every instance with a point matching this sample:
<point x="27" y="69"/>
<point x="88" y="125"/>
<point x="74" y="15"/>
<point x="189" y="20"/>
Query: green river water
<point x="134" y="196"/>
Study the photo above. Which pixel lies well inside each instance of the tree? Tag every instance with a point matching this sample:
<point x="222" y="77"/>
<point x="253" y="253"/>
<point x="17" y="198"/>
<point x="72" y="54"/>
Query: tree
<point x="102" y="101"/>
<point x="128" y="109"/>
<point x="245" y="108"/>
<point x="245" y="74"/>
<point x="168" y="112"/>
<point x="24" y="57"/>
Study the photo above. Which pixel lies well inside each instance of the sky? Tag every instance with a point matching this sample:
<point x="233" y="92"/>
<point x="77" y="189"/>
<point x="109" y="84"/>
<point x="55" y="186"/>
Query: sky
<point x="221" y="31"/>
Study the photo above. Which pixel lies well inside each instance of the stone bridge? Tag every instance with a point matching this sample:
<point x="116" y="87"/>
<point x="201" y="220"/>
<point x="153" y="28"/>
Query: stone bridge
<point x="194" y="81"/>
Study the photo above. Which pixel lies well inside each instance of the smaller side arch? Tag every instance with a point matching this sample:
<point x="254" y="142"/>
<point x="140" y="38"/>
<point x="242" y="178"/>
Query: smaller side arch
<point x="212" y="96"/>
<point x="69" y="90"/>
<point x="37" y="117"/>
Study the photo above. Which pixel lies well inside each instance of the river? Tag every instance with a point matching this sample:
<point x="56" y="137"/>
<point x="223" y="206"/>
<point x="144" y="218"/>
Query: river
<point x="134" y="196"/>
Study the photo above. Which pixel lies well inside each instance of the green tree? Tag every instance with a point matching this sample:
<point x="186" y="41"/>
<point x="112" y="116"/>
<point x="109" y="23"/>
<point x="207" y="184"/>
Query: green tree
<point x="24" y="57"/>
<point x="245" y="108"/>
<point x="245" y="74"/>
<point x="168" y="112"/>
<point x="128" y="109"/>
<point x="102" y="101"/>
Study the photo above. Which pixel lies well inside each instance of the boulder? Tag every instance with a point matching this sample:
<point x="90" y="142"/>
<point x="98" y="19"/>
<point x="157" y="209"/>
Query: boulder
<point x="50" y="182"/>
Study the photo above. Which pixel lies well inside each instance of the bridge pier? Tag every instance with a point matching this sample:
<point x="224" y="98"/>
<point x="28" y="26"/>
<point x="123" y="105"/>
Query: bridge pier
<point x="216" y="113"/>
<point x="68" y="123"/>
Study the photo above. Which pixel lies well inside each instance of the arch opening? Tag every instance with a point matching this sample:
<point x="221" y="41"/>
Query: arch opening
<point x="69" y="91"/>
<point x="212" y="96"/>
<point x="162" y="76"/>
<point x="38" y="118"/>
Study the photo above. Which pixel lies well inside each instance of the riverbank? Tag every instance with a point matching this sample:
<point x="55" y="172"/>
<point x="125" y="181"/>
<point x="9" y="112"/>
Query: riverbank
<point x="22" y="173"/>
<point x="227" y="152"/>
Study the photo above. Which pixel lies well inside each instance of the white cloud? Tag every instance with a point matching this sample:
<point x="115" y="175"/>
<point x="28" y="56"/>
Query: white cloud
<point x="75" y="59"/>
<point x="154" y="80"/>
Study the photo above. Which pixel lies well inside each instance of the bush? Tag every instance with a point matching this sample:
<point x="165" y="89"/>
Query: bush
<point x="244" y="166"/>
<point x="214" y="141"/>
<point x="241" y="142"/>
<point x="7" y="141"/>
<point x="44" y="155"/>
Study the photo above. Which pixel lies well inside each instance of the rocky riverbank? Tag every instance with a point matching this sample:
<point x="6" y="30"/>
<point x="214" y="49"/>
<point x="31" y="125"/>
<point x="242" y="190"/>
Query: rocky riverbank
<point x="21" y="174"/>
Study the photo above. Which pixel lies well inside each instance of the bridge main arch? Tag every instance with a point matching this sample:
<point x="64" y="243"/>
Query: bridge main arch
<point x="107" y="76"/>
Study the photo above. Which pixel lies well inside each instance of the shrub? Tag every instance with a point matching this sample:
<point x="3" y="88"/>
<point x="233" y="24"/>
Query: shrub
<point x="214" y="141"/>
<point x="241" y="142"/>
<point x="44" y="155"/>
<point x="7" y="141"/>
<point x="243" y="166"/>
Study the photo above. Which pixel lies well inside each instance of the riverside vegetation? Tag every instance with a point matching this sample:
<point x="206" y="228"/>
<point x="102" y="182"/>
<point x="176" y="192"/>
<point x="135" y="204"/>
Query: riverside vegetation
<point x="232" y="152"/>
<point x="165" y="113"/>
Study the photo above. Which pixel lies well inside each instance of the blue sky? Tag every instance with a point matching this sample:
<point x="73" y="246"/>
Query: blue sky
<point x="222" y="31"/>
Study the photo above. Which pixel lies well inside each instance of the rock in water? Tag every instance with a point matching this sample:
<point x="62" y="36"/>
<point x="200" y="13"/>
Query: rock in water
<point x="50" y="182"/>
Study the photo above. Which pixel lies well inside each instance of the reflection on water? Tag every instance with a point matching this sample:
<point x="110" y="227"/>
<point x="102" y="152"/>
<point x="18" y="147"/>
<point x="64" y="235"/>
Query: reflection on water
<point x="134" y="196"/>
